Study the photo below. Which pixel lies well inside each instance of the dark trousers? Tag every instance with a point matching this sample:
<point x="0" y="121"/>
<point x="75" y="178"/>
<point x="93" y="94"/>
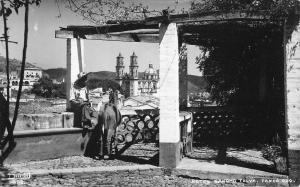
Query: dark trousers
<point x="92" y="142"/>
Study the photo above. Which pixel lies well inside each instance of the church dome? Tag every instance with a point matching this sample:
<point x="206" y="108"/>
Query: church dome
<point x="150" y="70"/>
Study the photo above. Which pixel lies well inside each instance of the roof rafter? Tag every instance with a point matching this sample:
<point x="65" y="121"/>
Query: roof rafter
<point x="148" y="30"/>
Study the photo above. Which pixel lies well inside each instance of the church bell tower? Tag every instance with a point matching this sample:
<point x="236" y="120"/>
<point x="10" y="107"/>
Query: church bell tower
<point x="120" y="69"/>
<point x="133" y="74"/>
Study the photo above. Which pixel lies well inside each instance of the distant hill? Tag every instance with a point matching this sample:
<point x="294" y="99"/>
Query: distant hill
<point x="60" y="73"/>
<point x="56" y="73"/>
<point x="195" y="83"/>
<point x="102" y="75"/>
<point x="14" y="64"/>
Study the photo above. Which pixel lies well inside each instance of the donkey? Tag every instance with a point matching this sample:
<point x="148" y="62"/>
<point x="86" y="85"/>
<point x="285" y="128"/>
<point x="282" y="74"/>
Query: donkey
<point x="109" y="118"/>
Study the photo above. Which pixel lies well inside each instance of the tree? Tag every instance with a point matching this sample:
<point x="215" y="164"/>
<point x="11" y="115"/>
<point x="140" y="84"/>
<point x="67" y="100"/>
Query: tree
<point x="6" y="10"/>
<point x="46" y="88"/>
<point x="59" y="91"/>
<point x="270" y="7"/>
<point x="230" y="63"/>
<point x="43" y="88"/>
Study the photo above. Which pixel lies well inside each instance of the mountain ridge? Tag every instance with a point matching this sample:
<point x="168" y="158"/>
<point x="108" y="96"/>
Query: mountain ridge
<point x="14" y="64"/>
<point x="195" y="83"/>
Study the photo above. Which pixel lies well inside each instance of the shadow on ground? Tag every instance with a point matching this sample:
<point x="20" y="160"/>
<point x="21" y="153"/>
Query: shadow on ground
<point x="248" y="158"/>
<point x="154" y="160"/>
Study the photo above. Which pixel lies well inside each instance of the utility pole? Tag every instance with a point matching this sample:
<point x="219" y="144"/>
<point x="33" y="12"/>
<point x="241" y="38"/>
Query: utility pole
<point x="5" y="121"/>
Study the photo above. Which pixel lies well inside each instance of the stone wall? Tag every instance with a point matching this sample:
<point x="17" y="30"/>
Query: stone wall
<point x="44" y="136"/>
<point x="44" y="121"/>
<point x="45" y="144"/>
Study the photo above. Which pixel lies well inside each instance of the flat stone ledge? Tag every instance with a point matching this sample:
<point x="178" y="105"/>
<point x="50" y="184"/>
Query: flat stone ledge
<point x="43" y="172"/>
<point x="212" y="171"/>
<point x="43" y="132"/>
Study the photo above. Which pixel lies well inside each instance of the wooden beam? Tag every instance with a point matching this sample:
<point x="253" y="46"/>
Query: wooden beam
<point x="127" y="37"/>
<point x="104" y="29"/>
<point x="64" y="34"/>
<point x="147" y="38"/>
<point x="108" y="37"/>
<point x="140" y="31"/>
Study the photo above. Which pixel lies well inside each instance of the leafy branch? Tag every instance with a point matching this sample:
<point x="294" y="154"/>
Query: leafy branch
<point x="102" y="11"/>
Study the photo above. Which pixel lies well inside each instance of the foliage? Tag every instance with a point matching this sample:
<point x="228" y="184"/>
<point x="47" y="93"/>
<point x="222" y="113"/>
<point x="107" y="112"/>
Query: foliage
<point x="230" y="67"/>
<point x="46" y="88"/>
<point x="101" y="11"/>
<point x="271" y="152"/>
<point x="230" y="59"/>
<point x="56" y="73"/>
<point x="15" y="5"/>
<point x="273" y="8"/>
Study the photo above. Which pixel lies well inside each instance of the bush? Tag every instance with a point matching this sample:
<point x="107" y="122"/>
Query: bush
<point x="45" y="88"/>
<point x="271" y="152"/>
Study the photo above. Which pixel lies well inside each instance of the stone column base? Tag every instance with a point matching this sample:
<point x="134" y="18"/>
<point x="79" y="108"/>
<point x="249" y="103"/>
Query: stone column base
<point x="169" y="154"/>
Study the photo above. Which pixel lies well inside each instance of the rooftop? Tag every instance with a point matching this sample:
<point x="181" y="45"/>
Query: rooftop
<point x="149" y="100"/>
<point x="147" y="30"/>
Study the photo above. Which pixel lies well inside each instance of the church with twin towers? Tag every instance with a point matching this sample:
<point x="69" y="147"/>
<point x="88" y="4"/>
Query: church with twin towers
<point x="135" y="83"/>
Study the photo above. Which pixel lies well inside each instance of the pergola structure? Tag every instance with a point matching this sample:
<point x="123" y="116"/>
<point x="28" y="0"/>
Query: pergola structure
<point x="170" y="31"/>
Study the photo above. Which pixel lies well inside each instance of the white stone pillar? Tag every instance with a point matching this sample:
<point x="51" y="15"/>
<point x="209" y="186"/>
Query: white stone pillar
<point x="169" y="132"/>
<point x="75" y="65"/>
<point x="292" y="78"/>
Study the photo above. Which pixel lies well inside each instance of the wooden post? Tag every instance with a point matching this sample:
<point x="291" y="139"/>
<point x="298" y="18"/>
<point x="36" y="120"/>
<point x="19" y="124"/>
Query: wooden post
<point x="183" y="79"/>
<point x="169" y="132"/>
<point x="292" y="94"/>
<point x="75" y="65"/>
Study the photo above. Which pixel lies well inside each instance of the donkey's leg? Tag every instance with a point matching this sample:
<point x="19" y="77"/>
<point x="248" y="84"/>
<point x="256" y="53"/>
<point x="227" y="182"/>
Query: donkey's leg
<point x="105" y="142"/>
<point x="110" y="136"/>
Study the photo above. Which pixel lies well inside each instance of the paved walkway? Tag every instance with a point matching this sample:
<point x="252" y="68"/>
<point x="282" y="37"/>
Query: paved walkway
<point x="222" y="171"/>
<point x="190" y="172"/>
<point x="135" y="169"/>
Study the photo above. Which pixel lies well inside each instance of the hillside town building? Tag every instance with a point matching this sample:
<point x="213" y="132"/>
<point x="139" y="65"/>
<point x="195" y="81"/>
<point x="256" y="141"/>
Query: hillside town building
<point x="135" y="83"/>
<point x="31" y="76"/>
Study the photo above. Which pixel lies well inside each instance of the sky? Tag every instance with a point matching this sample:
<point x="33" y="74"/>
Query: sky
<point x="46" y="51"/>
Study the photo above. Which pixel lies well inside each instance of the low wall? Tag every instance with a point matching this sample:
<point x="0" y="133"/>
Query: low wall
<point x="44" y="121"/>
<point x="106" y="176"/>
<point x="44" y="144"/>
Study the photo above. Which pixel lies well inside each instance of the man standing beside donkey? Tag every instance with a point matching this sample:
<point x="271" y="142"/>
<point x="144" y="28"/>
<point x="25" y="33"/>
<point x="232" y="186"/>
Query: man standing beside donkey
<point x="100" y="137"/>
